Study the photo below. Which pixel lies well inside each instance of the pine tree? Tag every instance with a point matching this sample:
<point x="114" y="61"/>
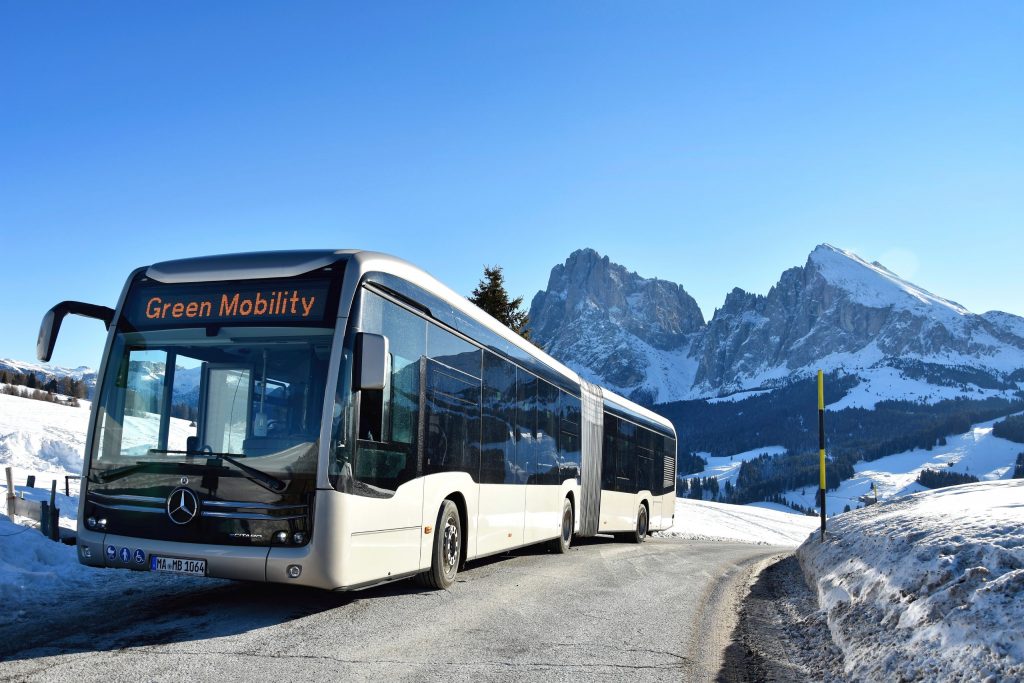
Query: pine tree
<point x="491" y="296"/>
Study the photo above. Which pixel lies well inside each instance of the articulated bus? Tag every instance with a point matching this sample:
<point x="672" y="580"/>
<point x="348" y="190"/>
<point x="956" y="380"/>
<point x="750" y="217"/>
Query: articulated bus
<point x="340" y="419"/>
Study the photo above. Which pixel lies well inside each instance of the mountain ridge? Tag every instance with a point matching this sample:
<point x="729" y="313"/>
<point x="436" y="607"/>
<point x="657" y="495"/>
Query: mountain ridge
<point x="837" y="310"/>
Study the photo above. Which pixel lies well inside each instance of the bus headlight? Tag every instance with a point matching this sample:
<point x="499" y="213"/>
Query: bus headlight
<point x="101" y="523"/>
<point x="281" y="536"/>
<point x="91" y="522"/>
<point x="298" y="538"/>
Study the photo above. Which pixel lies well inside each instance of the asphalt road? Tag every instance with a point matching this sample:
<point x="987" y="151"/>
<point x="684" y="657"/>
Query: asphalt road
<point x="663" y="610"/>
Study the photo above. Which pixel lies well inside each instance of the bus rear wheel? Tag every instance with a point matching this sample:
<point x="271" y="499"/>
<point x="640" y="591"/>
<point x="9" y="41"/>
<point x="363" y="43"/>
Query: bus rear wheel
<point x="447" y="549"/>
<point x="561" y="544"/>
<point x="640" y="533"/>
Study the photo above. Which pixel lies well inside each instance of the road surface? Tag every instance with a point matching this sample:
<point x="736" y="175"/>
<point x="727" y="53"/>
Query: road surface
<point x="663" y="610"/>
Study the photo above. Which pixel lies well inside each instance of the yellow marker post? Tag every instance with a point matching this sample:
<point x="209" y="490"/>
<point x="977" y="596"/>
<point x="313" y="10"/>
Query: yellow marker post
<point x="821" y="448"/>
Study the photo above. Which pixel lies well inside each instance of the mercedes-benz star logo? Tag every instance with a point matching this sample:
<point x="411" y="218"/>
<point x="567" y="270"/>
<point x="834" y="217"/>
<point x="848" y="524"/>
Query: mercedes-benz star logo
<point x="182" y="505"/>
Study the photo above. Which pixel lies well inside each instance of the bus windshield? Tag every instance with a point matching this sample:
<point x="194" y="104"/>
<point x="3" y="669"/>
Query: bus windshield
<point x="252" y="393"/>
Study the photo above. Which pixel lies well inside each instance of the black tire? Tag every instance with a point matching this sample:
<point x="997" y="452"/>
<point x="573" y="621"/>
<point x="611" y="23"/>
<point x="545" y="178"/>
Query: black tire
<point x="640" y="533"/>
<point x="561" y="544"/>
<point x="447" y="550"/>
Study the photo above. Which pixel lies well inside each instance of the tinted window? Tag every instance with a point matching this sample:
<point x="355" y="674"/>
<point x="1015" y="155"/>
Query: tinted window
<point x="645" y="470"/>
<point x="455" y="352"/>
<point x="609" y="454"/>
<point x="569" y="453"/>
<point x="498" y="450"/>
<point x="625" y="470"/>
<point x="569" y="439"/>
<point x="544" y="468"/>
<point x="389" y="419"/>
<point x="452" y="410"/>
<point x="526" y="423"/>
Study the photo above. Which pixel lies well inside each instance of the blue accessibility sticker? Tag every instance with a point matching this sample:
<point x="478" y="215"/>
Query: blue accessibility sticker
<point x="125" y="554"/>
<point x="111" y="552"/>
<point x="140" y="557"/>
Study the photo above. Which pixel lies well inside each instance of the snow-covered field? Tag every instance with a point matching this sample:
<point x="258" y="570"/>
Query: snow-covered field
<point x="927" y="587"/>
<point x="761" y="523"/>
<point x="726" y="468"/>
<point x="977" y="452"/>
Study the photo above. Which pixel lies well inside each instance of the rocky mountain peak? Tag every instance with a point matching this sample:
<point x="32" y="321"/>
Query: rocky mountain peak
<point x="611" y="323"/>
<point x="647" y="338"/>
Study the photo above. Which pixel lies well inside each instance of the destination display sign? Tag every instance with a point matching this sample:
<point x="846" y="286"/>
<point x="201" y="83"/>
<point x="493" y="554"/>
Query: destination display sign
<point x="263" y="302"/>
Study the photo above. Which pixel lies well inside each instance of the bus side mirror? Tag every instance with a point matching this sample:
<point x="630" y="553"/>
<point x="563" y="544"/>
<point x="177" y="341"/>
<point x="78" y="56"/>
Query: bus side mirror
<point x="50" y="326"/>
<point x="372" y="360"/>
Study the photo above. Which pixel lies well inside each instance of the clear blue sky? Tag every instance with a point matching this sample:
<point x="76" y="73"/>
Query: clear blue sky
<point x="713" y="144"/>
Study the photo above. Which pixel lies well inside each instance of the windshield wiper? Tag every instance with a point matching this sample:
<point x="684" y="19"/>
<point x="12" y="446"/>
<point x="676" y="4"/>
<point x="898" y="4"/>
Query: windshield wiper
<point x="260" y="477"/>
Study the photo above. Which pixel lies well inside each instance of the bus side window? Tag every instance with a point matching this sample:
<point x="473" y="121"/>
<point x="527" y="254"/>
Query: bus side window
<point x="625" y="471"/>
<point x="386" y="453"/>
<point x="544" y="468"/>
<point x="498" y="451"/>
<point x="610" y="452"/>
<point x="452" y="409"/>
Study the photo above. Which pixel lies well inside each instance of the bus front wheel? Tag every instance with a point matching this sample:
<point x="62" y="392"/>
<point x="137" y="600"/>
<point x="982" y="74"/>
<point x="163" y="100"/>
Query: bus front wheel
<point x="447" y="549"/>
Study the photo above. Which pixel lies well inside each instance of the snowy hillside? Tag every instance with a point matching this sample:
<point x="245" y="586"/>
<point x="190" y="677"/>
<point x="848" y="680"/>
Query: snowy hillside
<point x="727" y="468"/>
<point x="977" y="452"/>
<point x="926" y="587"/>
<point x="46" y="372"/>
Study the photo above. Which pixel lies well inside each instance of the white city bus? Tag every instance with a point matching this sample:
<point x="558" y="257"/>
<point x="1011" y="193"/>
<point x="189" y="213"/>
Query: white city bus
<point x="340" y="419"/>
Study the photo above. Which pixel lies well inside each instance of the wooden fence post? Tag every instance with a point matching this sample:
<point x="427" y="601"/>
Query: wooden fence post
<point x="54" y="513"/>
<point x="10" y="492"/>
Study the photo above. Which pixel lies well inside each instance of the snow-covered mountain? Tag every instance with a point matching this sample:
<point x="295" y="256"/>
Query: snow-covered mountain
<point x="186" y="380"/>
<point x="837" y="312"/>
<point x="46" y="372"/>
<point x="610" y="324"/>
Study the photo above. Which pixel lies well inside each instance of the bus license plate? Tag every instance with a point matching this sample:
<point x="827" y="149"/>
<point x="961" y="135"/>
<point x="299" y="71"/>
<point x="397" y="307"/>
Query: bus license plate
<point x="177" y="565"/>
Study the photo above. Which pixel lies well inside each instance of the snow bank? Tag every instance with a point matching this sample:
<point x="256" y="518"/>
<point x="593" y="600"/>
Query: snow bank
<point x="33" y="568"/>
<point x="707" y="521"/>
<point x="927" y="587"/>
<point x="37" y="574"/>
